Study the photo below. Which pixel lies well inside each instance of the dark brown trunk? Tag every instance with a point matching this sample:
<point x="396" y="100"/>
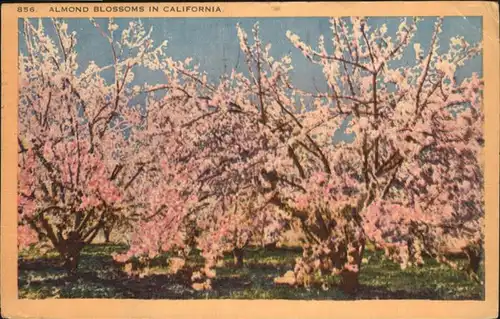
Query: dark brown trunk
<point x="474" y="258"/>
<point x="349" y="281"/>
<point x="71" y="262"/>
<point x="107" y="234"/>
<point x="350" y="274"/>
<point x="270" y="247"/>
<point x="238" y="257"/>
<point x="70" y="250"/>
<point x="108" y="228"/>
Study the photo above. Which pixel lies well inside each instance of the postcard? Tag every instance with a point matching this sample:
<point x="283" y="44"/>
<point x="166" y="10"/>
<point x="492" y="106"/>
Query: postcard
<point x="250" y="160"/>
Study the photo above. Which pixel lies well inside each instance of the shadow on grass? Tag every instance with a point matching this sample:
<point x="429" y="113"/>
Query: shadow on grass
<point x="100" y="277"/>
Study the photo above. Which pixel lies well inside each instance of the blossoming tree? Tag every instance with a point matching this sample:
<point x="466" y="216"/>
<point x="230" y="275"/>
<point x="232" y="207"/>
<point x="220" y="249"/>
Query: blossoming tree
<point x="412" y="177"/>
<point x="218" y="146"/>
<point x="77" y="167"/>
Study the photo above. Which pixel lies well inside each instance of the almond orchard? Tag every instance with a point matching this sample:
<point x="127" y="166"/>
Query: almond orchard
<point x="200" y="169"/>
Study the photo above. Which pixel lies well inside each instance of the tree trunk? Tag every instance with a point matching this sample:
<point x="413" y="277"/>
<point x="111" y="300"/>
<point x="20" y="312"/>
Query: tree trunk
<point x="70" y="250"/>
<point x="107" y="234"/>
<point x="349" y="281"/>
<point x="270" y="247"/>
<point x="108" y="228"/>
<point x="350" y="274"/>
<point x="71" y="262"/>
<point x="474" y="257"/>
<point x="238" y="257"/>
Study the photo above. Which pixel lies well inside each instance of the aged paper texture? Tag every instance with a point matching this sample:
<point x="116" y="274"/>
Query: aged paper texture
<point x="250" y="160"/>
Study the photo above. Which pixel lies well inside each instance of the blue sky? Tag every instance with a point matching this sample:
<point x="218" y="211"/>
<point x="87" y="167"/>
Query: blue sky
<point x="212" y="42"/>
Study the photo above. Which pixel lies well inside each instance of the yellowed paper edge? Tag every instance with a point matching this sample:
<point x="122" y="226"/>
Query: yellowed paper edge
<point x="12" y="307"/>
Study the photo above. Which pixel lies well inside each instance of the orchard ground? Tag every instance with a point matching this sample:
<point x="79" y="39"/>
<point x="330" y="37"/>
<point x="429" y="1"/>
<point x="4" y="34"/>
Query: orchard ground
<point x="43" y="276"/>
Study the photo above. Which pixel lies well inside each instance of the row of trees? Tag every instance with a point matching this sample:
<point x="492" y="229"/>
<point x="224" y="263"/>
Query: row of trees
<point x="218" y="165"/>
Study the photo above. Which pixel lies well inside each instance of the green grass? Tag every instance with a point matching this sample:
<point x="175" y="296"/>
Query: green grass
<point x="99" y="277"/>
